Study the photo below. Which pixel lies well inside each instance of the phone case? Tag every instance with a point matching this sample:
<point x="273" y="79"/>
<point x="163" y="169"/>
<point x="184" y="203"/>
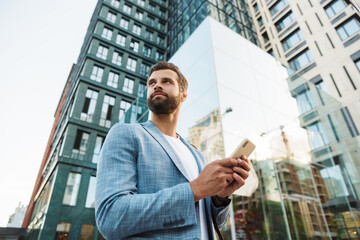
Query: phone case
<point x="245" y="148"/>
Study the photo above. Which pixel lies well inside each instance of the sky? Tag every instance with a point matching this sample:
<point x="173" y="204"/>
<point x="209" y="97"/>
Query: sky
<point x="39" y="42"/>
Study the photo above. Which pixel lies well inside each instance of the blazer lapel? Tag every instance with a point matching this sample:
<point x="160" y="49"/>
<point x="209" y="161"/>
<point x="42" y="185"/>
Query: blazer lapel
<point x="159" y="137"/>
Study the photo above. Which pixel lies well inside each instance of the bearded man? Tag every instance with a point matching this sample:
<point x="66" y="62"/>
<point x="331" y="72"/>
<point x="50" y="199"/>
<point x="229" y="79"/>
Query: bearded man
<point x="151" y="184"/>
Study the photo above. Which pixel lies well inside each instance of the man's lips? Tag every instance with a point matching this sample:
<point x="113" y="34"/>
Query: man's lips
<point x="158" y="94"/>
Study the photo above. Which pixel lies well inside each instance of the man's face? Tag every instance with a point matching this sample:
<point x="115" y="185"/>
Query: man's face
<point x="163" y="95"/>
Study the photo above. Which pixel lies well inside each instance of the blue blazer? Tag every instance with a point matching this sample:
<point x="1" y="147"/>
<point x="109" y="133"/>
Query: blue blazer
<point x="143" y="190"/>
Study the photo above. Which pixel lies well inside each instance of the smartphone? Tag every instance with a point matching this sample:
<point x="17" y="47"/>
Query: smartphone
<point x="246" y="147"/>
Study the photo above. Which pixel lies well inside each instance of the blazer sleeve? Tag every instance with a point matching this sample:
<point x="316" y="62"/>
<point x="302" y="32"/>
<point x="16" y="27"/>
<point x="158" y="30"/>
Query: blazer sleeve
<point x="220" y="214"/>
<point x="119" y="210"/>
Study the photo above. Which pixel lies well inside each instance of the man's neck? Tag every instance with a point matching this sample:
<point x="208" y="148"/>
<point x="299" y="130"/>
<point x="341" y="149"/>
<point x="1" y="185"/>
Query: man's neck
<point x="166" y="123"/>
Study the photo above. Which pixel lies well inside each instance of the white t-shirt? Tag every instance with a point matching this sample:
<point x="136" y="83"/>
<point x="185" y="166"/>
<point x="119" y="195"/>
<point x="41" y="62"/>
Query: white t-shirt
<point x="192" y="170"/>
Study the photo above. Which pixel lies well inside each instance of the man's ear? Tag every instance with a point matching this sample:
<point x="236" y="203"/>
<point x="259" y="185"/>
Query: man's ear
<point x="183" y="96"/>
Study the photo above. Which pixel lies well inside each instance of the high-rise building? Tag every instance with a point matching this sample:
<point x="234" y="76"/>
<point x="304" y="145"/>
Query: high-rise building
<point x="320" y="43"/>
<point x="123" y="40"/>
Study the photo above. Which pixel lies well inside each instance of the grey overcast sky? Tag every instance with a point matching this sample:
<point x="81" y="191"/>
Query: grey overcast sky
<point x="39" y="42"/>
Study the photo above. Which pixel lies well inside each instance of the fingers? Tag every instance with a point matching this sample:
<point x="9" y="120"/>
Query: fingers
<point x="244" y="163"/>
<point x="240" y="181"/>
<point x="227" y="162"/>
<point x="242" y="172"/>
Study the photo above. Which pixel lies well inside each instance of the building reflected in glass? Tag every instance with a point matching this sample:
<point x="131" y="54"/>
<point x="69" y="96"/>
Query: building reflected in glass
<point x="306" y="153"/>
<point x="237" y="90"/>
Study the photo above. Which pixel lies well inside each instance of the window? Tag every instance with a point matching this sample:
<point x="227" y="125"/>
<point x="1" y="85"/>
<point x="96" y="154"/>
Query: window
<point x="72" y="189"/>
<point x="265" y="37"/>
<point x="102" y="52"/>
<point x="321" y="86"/>
<point x="128" y="85"/>
<point x="136" y="112"/>
<point x="87" y="232"/>
<point x="292" y="40"/>
<point x="334" y="8"/>
<point x="120" y="39"/>
<point x="127" y="9"/>
<point x="349" y="122"/>
<point x="142" y="90"/>
<point x="305" y="101"/>
<point x="162" y="13"/>
<point x="90" y="198"/>
<point x="124" y="106"/>
<point x="97" y="73"/>
<point x="136" y="29"/>
<point x="124" y="23"/>
<point x="115" y="3"/>
<point x="141" y="2"/>
<point x="159" y="56"/>
<point x="131" y="64"/>
<point x="317" y="135"/>
<point x="348" y="28"/>
<point x="160" y="41"/>
<point x="260" y="21"/>
<point x="134" y="45"/>
<point x="106" y="111"/>
<point x="271" y="52"/>
<point x="285" y="21"/>
<point x="139" y="15"/>
<point x="301" y="60"/>
<point x="322" y="90"/>
<point x="79" y="149"/>
<point x="357" y="63"/>
<point x="147" y="51"/>
<point x="111" y="17"/>
<point x="144" y="69"/>
<point x="107" y="33"/>
<point x="148" y="35"/>
<point x="62" y="230"/>
<point x="98" y="145"/>
<point x="152" y="7"/>
<point x="117" y="57"/>
<point x="150" y="20"/>
<point x="88" y="110"/>
<point x="161" y="26"/>
<point x="256" y="7"/>
<point x="113" y="80"/>
<point x="277" y="7"/>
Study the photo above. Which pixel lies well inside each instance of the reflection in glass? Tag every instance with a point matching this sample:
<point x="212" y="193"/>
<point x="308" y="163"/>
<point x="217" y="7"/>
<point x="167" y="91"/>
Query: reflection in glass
<point x="98" y="144"/>
<point x="90" y="197"/>
<point x="88" y="110"/>
<point x="317" y="135"/>
<point x="72" y="189"/>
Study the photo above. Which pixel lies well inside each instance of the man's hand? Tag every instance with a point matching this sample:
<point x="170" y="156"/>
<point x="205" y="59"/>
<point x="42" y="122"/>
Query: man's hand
<point x="241" y="172"/>
<point x="214" y="178"/>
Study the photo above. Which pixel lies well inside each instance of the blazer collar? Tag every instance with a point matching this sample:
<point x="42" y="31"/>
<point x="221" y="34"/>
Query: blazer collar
<point x="150" y="127"/>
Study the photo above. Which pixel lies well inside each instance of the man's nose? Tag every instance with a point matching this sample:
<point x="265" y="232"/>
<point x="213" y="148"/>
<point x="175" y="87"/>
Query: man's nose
<point x="157" y="86"/>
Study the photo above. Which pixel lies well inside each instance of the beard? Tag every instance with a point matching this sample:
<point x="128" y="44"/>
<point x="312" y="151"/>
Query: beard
<point x="163" y="106"/>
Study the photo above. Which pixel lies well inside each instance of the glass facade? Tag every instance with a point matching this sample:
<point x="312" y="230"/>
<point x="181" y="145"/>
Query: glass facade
<point x="185" y="16"/>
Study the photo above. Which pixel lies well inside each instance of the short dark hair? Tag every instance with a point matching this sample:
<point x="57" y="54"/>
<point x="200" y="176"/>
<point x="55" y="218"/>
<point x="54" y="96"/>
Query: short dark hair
<point x="163" y="65"/>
